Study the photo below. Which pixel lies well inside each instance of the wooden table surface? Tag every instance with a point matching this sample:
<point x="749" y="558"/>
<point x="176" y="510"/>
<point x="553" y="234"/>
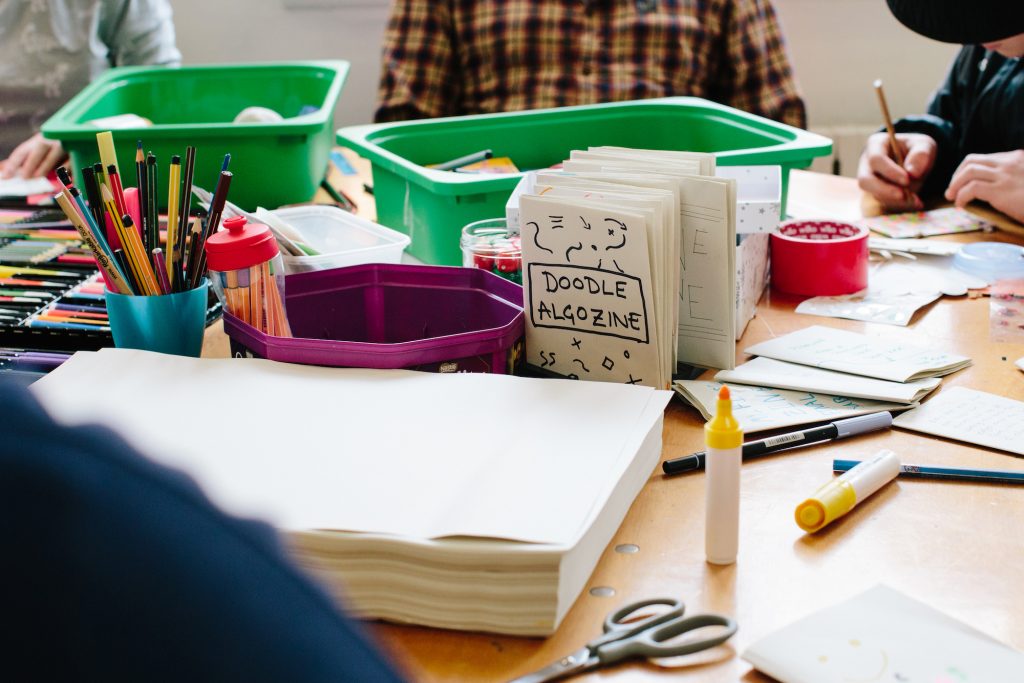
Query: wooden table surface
<point x="956" y="546"/>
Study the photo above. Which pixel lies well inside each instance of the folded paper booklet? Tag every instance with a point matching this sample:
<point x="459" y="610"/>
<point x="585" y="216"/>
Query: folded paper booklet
<point x="972" y="416"/>
<point x="760" y="408"/>
<point x="629" y="265"/>
<point x="883" y="635"/>
<point x="415" y="499"/>
<point x="858" y="354"/>
<point x="766" y="372"/>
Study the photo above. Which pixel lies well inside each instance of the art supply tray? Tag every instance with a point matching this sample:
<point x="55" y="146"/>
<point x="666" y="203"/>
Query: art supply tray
<point x="342" y="238"/>
<point x="432" y="206"/>
<point x="273" y="163"/>
<point x="429" y="318"/>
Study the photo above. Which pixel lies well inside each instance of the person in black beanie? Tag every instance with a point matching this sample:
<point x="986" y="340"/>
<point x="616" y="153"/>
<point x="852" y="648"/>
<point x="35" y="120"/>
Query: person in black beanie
<point x="970" y="143"/>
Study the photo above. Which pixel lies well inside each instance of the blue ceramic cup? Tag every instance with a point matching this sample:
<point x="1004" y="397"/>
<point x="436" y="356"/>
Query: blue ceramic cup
<point x="169" y="323"/>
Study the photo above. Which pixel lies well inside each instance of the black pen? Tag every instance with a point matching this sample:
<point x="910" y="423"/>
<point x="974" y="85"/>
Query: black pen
<point x="840" y="429"/>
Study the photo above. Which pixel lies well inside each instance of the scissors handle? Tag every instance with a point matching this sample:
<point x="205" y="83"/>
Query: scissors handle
<point x="649" y="642"/>
<point x="617" y="629"/>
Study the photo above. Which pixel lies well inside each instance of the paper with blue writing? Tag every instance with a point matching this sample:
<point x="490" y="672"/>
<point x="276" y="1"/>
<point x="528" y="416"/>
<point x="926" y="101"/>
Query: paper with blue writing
<point x="858" y="354"/>
<point x="761" y="408"/>
<point x="588" y="291"/>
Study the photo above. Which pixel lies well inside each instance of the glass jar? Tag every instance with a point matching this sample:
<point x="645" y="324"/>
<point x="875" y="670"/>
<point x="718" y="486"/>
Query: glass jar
<point x="492" y="245"/>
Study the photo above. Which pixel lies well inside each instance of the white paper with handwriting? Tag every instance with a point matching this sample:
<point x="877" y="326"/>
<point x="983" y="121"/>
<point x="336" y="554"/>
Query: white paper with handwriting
<point x="767" y="372"/>
<point x="973" y="416"/>
<point x="761" y="408"/>
<point x="883" y="635"/>
<point x="859" y="354"/>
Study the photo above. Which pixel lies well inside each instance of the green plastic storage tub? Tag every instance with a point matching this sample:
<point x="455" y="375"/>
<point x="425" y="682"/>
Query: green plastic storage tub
<point x="272" y="163"/>
<point x="432" y="206"/>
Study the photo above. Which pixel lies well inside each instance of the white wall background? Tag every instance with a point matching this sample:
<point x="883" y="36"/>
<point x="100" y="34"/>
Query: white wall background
<point x="838" y="47"/>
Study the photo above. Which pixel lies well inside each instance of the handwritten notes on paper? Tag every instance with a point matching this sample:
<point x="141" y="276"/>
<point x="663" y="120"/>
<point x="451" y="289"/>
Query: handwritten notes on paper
<point x="858" y="354"/>
<point x="767" y="372"/>
<point x="973" y="416"/>
<point x="761" y="408"/>
<point x="588" y="291"/>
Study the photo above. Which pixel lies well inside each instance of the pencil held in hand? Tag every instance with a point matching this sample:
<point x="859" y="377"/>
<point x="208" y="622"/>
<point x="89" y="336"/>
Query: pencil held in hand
<point x="897" y="153"/>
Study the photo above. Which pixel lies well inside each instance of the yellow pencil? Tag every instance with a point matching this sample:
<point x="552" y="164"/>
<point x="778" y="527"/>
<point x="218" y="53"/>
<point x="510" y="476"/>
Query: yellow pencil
<point x="133" y="251"/>
<point x="172" y="216"/>
<point x="102" y="260"/>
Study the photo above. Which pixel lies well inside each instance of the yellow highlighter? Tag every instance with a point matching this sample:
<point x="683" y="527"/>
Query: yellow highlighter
<point x="839" y="496"/>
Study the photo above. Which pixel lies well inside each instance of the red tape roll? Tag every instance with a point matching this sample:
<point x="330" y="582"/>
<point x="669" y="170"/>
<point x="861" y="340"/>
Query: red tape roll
<point x="819" y="258"/>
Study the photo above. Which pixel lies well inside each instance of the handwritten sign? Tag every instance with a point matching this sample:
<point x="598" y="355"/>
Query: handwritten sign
<point x="588" y="291"/>
<point x="589" y="300"/>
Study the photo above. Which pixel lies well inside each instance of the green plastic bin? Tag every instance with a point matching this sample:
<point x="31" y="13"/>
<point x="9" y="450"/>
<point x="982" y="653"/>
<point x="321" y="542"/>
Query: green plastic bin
<point x="432" y="206"/>
<point x="272" y="163"/>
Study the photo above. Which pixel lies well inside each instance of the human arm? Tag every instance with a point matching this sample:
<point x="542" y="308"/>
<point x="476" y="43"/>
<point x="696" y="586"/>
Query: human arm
<point x="896" y="187"/>
<point x="419" y="74"/>
<point x="994" y="178"/>
<point x="138" y="32"/>
<point x="119" y="569"/>
<point x="759" y="78"/>
<point x="35" y="157"/>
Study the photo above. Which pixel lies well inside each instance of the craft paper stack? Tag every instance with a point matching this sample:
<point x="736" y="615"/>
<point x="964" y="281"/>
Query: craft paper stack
<point x="822" y="373"/>
<point x="629" y="266"/>
<point x="416" y="500"/>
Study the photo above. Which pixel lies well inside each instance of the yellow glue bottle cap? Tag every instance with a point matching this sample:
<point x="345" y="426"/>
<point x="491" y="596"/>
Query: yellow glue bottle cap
<point x="831" y="501"/>
<point x="723" y="431"/>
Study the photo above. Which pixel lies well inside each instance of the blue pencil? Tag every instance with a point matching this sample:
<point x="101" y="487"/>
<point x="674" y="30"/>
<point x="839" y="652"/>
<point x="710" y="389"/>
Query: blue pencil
<point x="66" y="326"/>
<point x="948" y="473"/>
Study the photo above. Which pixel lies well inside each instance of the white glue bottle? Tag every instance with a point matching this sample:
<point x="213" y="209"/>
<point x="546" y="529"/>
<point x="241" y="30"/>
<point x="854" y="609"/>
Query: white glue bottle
<point x="723" y="440"/>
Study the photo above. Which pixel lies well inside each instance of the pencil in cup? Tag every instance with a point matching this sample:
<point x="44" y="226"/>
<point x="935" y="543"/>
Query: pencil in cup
<point x="103" y="260"/>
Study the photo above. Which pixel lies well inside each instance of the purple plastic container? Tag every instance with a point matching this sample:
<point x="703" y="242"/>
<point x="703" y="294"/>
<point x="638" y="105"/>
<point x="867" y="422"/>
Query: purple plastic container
<point x="432" y="318"/>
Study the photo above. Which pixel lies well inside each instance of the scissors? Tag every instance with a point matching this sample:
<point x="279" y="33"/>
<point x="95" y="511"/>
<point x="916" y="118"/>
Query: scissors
<point x="645" y="637"/>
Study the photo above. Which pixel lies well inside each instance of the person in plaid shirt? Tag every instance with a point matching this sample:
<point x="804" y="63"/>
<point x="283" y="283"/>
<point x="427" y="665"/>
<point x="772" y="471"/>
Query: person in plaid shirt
<point x="452" y="57"/>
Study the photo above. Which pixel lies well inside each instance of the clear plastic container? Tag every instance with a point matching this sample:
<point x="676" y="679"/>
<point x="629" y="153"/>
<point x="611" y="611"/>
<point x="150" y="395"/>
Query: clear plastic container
<point x="341" y="238"/>
<point x="247" y="273"/>
<point x="492" y="245"/>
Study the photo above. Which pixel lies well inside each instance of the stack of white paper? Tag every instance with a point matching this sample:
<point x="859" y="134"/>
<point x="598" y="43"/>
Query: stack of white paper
<point x="418" y="499"/>
<point x="822" y="373"/>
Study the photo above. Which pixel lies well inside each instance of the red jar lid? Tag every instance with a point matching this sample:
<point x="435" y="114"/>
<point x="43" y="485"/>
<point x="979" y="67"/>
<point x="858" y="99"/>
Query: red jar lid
<point x="241" y="245"/>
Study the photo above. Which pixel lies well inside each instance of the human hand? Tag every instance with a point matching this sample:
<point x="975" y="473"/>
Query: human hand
<point x="994" y="178"/>
<point x="35" y="157"/>
<point x="895" y="186"/>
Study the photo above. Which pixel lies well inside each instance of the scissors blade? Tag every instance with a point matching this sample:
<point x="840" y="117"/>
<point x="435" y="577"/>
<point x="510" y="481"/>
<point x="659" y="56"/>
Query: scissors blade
<point x="567" y="665"/>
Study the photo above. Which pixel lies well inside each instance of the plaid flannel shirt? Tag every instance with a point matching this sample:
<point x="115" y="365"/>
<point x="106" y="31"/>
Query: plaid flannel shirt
<point x="451" y="57"/>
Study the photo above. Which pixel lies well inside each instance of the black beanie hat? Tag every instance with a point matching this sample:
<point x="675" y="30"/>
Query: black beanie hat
<point x="959" y="21"/>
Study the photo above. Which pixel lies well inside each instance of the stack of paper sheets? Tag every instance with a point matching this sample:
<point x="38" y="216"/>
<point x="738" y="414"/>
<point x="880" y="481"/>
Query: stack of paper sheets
<point x="418" y="499"/>
<point x="822" y="373"/>
<point x="629" y="266"/>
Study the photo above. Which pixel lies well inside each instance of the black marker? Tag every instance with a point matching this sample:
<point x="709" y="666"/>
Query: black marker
<point x="840" y="429"/>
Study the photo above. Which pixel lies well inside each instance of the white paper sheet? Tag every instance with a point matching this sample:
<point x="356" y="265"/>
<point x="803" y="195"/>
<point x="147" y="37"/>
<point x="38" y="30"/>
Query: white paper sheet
<point x="767" y="372"/>
<point x="883" y="635"/>
<point x="24" y="187"/>
<point x="396" y="452"/>
<point x="973" y="416"/>
<point x="858" y="354"/>
<point x="760" y="408"/>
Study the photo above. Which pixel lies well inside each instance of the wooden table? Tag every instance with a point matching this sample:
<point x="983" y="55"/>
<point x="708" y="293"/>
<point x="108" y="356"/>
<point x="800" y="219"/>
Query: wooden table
<point x="958" y="547"/>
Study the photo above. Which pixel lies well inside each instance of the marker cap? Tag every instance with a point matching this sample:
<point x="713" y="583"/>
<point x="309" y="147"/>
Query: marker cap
<point x="723" y="431"/>
<point x="862" y="424"/>
<point x="831" y="501"/>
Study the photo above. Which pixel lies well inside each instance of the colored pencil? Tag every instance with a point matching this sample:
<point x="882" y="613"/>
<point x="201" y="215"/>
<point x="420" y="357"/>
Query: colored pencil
<point x="100" y="254"/>
<point x="114" y="182"/>
<point x="152" y="240"/>
<point x="173" y="190"/>
<point x="108" y="156"/>
<point x="983" y="476"/>
<point x="160" y="266"/>
<point x="92" y="193"/>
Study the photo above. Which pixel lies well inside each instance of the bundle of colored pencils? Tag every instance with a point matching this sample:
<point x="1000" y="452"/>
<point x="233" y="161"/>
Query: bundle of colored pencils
<point x="142" y="265"/>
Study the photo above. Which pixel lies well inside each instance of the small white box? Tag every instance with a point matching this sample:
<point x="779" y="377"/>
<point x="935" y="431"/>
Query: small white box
<point x="343" y="239"/>
<point x="758" y="196"/>
<point x="751" y="276"/>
